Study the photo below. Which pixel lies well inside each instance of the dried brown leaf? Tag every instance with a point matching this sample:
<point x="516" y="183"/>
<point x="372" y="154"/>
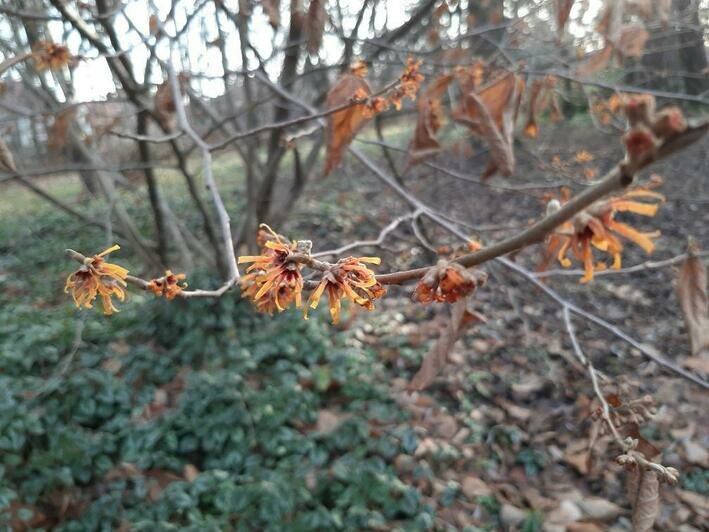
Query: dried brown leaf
<point x="531" y="129"/>
<point x="153" y="26"/>
<point x="496" y="97"/>
<point x="13" y="515"/>
<point x="563" y="10"/>
<point x="157" y="481"/>
<point x="57" y="134"/>
<point x="644" y="495"/>
<point x="165" y="397"/>
<point x="694" y="301"/>
<point x="437" y="357"/>
<point x="698" y="503"/>
<point x="315" y="25"/>
<point x="631" y="40"/>
<point x="328" y="421"/>
<point x="272" y="8"/>
<point x="541" y="95"/>
<point x="641" y="8"/>
<point x="499" y="141"/>
<point x="430" y="118"/>
<point x="596" y="62"/>
<point x="343" y="125"/>
<point x="7" y="161"/>
<point x="663" y="11"/>
<point x="164" y="104"/>
<point x="190" y="472"/>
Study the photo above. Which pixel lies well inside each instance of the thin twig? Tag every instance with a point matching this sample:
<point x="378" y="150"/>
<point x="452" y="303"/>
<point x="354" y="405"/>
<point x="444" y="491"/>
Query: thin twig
<point x="224" y="220"/>
<point x="377" y="242"/>
<point x="594" y="379"/>
<point x="643" y="266"/>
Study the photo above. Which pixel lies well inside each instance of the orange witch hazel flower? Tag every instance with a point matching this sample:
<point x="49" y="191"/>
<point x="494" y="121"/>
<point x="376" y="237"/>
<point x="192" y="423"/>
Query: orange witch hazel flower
<point x="596" y="227"/>
<point x="348" y="278"/>
<point x="170" y="286"/>
<point x="98" y="278"/>
<point x="51" y="56"/>
<point x="447" y="282"/>
<point x="409" y="83"/>
<point x="274" y="280"/>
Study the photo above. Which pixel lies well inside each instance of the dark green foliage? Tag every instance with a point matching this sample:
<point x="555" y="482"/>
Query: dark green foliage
<point x="244" y="396"/>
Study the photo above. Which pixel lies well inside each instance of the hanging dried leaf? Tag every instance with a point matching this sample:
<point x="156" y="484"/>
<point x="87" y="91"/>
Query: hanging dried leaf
<point x="563" y="10"/>
<point x="605" y="18"/>
<point x="556" y="114"/>
<point x="7" y="161"/>
<point x="56" y="136"/>
<point x="694" y="301"/>
<point x="315" y="25"/>
<point x="494" y="120"/>
<point x="641" y="8"/>
<point x="663" y="11"/>
<point x="496" y="97"/>
<point x="531" y="129"/>
<point x="500" y="145"/>
<point x="430" y="118"/>
<point x="343" y="125"/>
<point x="644" y="495"/>
<point x="470" y="78"/>
<point x="272" y="9"/>
<point x="164" y="102"/>
<point x="437" y="357"/>
<point x="631" y="40"/>
<point x="51" y="56"/>
<point x="164" y="105"/>
<point x="596" y="63"/>
<point x="541" y="95"/>
<point x="153" y="26"/>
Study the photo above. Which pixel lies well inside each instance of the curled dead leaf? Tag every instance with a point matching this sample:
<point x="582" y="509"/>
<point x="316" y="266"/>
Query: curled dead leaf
<point x="272" y="8"/>
<point x="496" y="98"/>
<point x="563" y="10"/>
<point x="153" y="26"/>
<point x="315" y="25"/>
<point x="644" y="495"/>
<point x="57" y="134"/>
<point x="694" y="301"/>
<point x="343" y="125"/>
<point x="7" y="161"/>
<point x="429" y="121"/>
<point x="596" y="62"/>
<point x="631" y="40"/>
<point x="437" y="356"/>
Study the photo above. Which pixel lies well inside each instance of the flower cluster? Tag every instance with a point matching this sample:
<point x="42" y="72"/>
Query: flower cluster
<point x="407" y="87"/>
<point x="51" y="56"/>
<point x="98" y="278"/>
<point x="447" y="282"/>
<point x="409" y="83"/>
<point x="348" y="278"/>
<point x="274" y="280"/>
<point x="596" y="227"/>
<point x="170" y="285"/>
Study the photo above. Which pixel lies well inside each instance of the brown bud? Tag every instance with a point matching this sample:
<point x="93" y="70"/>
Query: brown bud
<point x="639" y="143"/>
<point x="669" y="122"/>
<point x="447" y="282"/>
<point x="639" y="109"/>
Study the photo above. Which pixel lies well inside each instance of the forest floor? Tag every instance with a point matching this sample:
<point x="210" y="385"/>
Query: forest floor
<point x="206" y="417"/>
